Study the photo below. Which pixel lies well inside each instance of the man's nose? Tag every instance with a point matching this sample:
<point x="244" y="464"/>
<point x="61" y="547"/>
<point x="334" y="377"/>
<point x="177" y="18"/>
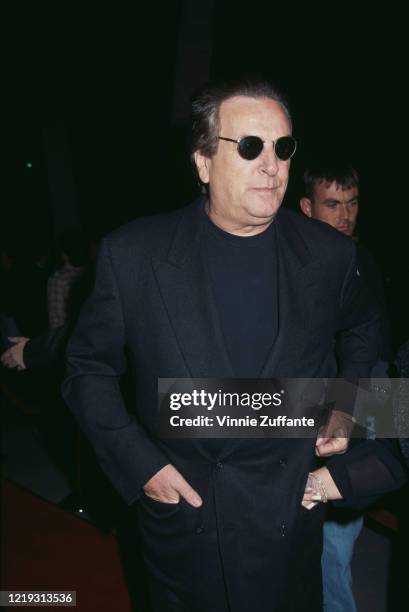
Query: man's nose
<point x="344" y="211"/>
<point x="269" y="160"/>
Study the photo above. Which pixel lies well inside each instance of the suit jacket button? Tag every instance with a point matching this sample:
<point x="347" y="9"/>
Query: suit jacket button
<point x="283" y="463"/>
<point x="219" y="465"/>
<point x="199" y="530"/>
<point x="283" y="530"/>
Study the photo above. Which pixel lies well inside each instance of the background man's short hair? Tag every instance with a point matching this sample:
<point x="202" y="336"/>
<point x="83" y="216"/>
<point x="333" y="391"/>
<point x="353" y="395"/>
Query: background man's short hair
<point x="342" y="174"/>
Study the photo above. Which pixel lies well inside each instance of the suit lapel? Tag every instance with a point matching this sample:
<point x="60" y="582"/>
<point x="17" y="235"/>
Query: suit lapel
<point x="296" y="283"/>
<point x="187" y="295"/>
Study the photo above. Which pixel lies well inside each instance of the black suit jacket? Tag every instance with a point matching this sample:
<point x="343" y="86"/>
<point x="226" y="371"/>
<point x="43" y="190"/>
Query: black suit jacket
<point x="251" y="544"/>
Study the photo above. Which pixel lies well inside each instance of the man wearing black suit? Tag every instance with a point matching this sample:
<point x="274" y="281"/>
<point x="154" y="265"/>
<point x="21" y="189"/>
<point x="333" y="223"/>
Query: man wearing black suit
<point x="228" y="287"/>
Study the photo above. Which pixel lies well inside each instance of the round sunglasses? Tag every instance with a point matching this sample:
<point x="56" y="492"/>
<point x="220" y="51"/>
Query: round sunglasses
<point x="250" y="147"/>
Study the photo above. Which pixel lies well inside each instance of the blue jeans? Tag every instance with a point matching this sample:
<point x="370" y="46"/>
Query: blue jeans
<point x="338" y="548"/>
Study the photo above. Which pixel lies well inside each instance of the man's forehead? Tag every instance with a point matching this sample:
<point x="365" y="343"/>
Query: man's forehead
<point x="246" y="110"/>
<point x="322" y="186"/>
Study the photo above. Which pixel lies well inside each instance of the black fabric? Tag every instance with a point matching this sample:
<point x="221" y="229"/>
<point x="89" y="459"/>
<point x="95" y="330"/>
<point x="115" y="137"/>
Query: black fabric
<point x="48" y="349"/>
<point x="26" y="301"/>
<point x="372" y="276"/>
<point x="165" y="599"/>
<point x="243" y="275"/>
<point x="366" y="472"/>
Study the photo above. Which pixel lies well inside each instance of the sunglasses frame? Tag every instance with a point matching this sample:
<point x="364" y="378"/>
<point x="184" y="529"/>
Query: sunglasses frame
<point x="238" y="142"/>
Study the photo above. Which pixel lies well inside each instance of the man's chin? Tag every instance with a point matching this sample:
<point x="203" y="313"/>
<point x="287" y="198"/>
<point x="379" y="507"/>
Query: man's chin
<point x="264" y="210"/>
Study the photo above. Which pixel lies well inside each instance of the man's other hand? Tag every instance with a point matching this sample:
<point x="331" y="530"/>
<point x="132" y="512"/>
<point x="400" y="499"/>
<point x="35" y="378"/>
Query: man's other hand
<point x="333" y="438"/>
<point x="326" y="486"/>
<point x="168" y="486"/>
<point x="13" y="357"/>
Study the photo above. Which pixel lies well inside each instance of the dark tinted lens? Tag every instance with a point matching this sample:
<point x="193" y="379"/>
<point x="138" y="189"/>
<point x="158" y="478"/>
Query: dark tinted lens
<point x="285" y="147"/>
<point x="250" y="147"/>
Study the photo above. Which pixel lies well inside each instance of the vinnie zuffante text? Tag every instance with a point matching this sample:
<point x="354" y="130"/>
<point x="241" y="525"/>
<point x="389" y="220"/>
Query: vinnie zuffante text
<point x="213" y="401"/>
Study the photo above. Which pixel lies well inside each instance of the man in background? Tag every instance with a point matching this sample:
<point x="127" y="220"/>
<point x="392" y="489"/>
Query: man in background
<point x="331" y="195"/>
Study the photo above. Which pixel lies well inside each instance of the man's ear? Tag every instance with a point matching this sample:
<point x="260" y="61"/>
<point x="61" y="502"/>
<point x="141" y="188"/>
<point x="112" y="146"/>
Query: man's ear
<point x="305" y="205"/>
<point x="203" y="166"/>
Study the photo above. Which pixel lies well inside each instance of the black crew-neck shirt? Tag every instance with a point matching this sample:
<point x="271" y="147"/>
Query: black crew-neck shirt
<point x="243" y="278"/>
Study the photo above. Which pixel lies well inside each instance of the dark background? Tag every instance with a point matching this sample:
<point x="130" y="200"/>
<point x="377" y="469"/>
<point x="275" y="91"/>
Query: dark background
<point x="98" y="105"/>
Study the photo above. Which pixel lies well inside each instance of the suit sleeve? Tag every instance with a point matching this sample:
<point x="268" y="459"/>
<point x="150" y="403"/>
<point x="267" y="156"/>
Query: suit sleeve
<point x="368" y="470"/>
<point x="47" y="351"/>
<point x="358" y="339"/>
<point x="95" y="363"/>
<point x="359" y="327"/>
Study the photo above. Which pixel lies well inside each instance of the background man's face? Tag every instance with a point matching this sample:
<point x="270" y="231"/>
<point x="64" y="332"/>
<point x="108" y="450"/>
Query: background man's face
<point x="333" y="205"/>
<point x="246" y="193"/>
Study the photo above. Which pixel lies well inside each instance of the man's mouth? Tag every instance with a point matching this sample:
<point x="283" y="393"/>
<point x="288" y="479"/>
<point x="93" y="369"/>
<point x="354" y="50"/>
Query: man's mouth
<point x="265" y="188"/>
